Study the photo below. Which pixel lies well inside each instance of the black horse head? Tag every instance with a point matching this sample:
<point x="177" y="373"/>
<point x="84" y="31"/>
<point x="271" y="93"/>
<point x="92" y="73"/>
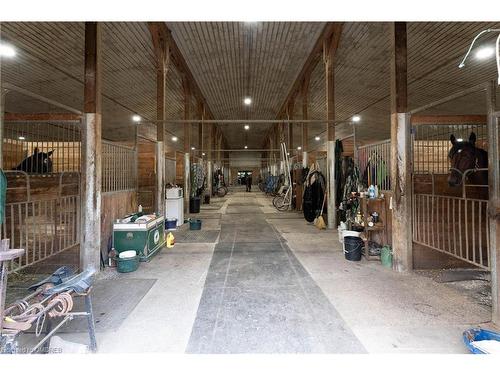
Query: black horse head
<point x="464" y="155"/>
<point x="38" y="163"/>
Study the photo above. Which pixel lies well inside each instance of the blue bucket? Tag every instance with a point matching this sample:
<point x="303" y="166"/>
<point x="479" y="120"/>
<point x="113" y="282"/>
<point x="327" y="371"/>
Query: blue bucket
<point x="170" y="223"/>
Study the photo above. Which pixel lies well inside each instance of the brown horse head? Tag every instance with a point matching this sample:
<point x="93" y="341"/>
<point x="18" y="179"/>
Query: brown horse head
<point x="464" y="156"/>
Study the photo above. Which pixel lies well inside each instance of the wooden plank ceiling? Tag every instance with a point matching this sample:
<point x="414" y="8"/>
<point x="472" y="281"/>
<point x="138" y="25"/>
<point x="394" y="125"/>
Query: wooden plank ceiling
<point x="230" y="60"/>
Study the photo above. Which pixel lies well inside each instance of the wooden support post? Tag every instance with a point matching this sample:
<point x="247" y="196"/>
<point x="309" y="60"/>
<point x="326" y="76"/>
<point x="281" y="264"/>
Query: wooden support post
<point x="162" y="53"/>
<point x="3" y="94"/>
<point x="187" y="144"/>
<point x="290" y="110"/>
<point x="400" y="152"/>
<point x="494" y="199"/>
<point x="90" y="238"/>
<point x="210" y="172"/>
<point x="201" y="114"/>
<point x="305" y="116"/>
<point x="329" y="54"/>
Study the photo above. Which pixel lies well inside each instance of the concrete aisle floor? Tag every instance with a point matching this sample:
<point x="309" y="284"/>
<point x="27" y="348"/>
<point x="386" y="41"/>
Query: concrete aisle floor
<point x="273" y="283"/>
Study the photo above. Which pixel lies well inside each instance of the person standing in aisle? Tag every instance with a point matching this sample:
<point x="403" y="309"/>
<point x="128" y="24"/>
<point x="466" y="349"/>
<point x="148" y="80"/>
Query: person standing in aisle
<point x="249" y="182"/>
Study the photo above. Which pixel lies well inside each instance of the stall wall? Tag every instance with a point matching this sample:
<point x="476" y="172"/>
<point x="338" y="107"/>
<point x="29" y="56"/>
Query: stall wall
<point x="114" y="205"/>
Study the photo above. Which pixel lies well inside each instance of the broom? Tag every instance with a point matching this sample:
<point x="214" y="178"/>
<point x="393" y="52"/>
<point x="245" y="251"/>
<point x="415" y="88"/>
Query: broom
<point x="319" y="222"/>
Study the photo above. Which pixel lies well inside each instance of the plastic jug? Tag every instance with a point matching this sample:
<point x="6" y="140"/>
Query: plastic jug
<point x="170" y="240"/>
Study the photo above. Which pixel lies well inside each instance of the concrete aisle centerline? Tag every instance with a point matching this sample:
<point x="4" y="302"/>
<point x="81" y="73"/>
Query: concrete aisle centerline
<point x="257" y="296"/>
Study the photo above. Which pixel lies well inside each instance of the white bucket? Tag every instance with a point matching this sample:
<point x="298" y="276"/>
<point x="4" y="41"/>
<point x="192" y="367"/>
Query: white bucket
<point x="128" y="254"/>
<point x="350" y="233"/>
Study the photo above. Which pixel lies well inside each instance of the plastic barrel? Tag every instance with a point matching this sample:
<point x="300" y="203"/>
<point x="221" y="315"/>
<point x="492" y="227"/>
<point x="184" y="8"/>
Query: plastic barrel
<point x="194" y="205"/>
<point x="352" y="248"/>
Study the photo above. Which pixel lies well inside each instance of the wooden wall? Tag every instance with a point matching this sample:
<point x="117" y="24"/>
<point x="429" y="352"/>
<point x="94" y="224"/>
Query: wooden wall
<point x="114" y="205"/>
<point x="179" y="168"/>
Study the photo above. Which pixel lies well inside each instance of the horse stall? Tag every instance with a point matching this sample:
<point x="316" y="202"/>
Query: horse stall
<point x="119" y="187"/>
<point x="450" y="223"/>
<point x="42" y="212"/>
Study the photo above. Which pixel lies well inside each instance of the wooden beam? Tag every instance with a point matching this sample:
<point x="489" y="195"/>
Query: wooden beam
<point x="92" y="79"/>
<point x="12" y="116"/>
<point x="494" y="199"/>
<point x="330" y="46"/>
<point x="305" y="116"/>
<point x="399" y="77"/>
<point x="201" y="114"/>
<point x="448" y="119"/>
<point x="312" y="60"/>
<point x="187" y="114"/>
<point x="400" y="152"/>
<point x="162" y="53"/>
<point x="90" y="237"/>
<point x="290" y="112"/>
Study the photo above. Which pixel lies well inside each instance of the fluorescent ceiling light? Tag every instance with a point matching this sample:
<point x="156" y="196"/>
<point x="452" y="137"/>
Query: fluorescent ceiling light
<point x="247" y="100"/>
<point x="317" y="138"/>
<point x="136" y="118"/>
<point x="299" y="148"/>
<point x="247" y="127"/>
<point x="356" y="118"/>
<point x="460" y="139"/>
<point x="7" y="50"/>
<point x="485" y="52"/>
<point x="21" y="138"/>
<point x="175" y="139"/>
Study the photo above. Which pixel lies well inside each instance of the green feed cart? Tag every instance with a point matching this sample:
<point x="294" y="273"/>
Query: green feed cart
<point x="143" y="233"/>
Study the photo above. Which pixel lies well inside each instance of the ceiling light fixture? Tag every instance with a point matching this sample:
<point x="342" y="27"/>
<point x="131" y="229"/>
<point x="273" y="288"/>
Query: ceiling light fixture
<point x="247" y="100"/>
<point x="175" y="139"/>
<point x="246" y="147"/>
<point x="202" y="154"/>
<point x="193" y="148"/>
<point x="356" y="118"/>
<point x="21" y="138"/>
<point x="317" y="138"/>
<point x="485" y="52"/>
<point x="497" y="50"/>
<point x="136" y="118"/>
<point x="247" y="127"/>
<point x="299" y="148"/>
<point x="7" y="50"/>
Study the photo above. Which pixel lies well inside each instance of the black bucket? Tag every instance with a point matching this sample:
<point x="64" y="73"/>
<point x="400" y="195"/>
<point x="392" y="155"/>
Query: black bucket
<point x="194" y="205"/>
<point x="352" y="248"/>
